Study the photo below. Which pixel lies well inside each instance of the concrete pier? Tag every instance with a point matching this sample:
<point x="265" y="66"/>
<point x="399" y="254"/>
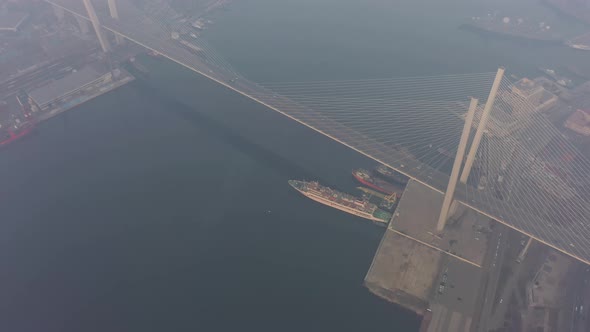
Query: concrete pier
<point x="420" y="269"/>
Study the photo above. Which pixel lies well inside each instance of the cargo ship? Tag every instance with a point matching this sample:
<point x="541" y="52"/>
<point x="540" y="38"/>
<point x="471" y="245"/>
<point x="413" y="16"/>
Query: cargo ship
<point x="364" y="177"/>
<point x="12" y="135"/>
<point x="341" y="201"/>
<point x="390" y="174"/>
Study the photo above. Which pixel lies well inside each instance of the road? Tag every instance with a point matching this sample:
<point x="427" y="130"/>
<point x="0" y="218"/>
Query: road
<point x="509" y="287"/>
<point x="580" y="304"/>
<point x="492" y="266"/>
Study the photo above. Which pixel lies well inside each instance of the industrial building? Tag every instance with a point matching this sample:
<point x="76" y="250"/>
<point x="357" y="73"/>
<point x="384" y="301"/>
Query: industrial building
<point x="534" y="92"/>
<point x="73" y="89"/>
<point x="579" y="122"/>
<point x="58" y="90"/>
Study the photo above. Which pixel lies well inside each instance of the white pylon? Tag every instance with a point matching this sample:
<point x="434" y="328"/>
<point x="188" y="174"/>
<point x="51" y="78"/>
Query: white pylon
<point x="59" y="12"/>
<point x="83" y="24"/>
<point x="104" y="43"/>
<point x="482" y="126"/>
<point x="115" y="14"/>
<point x="448" y="199"/>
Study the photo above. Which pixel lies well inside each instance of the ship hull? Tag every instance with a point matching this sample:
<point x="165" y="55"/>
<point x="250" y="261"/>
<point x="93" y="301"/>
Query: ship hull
<point x="580" y="47"/>
<point x="16" y="136"/>
<point x="340" y="207"/>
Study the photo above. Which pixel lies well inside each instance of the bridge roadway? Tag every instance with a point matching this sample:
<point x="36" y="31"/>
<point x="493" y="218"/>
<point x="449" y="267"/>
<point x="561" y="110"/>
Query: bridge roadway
<point x="143" y="31"/>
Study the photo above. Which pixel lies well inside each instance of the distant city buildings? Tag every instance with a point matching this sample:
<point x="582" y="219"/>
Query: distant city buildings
<point x="579" y="122"/>
<point x="534" y="92"/>
<point x="513" y="108"/>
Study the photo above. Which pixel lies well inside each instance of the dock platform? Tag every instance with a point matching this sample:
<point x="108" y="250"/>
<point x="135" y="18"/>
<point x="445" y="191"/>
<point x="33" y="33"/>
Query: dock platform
<point x="419" y="269"/>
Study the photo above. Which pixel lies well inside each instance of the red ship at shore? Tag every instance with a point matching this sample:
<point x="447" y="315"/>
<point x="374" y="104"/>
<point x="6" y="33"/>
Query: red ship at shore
<point x="365" y="177"/>
<point x="15" y="134"/>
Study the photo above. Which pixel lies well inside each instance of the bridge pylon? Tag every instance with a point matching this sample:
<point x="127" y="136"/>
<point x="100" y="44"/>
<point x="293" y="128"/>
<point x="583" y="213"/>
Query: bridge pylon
<point x="59" y="13"/>
<point x="104" y="42"/>
<point x="83" y="25"/>
<point x="115" y="14"/>
<point x="450" y="192"/>
<point x="482" y="125"/>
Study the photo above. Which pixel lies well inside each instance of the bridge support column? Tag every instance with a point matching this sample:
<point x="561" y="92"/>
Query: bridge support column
<point x="59" y="13"/>
<point x="83" y="24"/>
<point x="115" y="14"/>
<point x="104" y="43"/>
<point x="482" y="126"/>
<point x="448" y="199"/>
<point x="523" y="252"/>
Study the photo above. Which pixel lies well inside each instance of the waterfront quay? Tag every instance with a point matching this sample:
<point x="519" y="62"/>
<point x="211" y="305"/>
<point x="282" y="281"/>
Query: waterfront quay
<point x="50" y="64"/>
<point x="52" y="89"/>
<point x="74" y="89"/>
<point x="449" y="277"/>
<point x="476" y="275"/>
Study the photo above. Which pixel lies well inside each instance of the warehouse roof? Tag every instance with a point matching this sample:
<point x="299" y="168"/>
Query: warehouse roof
<point x="65" y="85"/>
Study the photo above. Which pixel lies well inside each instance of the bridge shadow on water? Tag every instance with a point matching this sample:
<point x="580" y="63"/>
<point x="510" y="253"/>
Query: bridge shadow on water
<point x="282" y="155"/>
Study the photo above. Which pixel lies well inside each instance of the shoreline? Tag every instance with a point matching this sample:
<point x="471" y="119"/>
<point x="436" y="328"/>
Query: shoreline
<point x="508" y="36"/>
<point x="562" y="11"/>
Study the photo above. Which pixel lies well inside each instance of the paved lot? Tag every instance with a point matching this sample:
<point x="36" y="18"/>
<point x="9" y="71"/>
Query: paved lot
<point x="444" y="319"/>
<point x="465" y="235"/>
<point x="403" y="271"/>
<point x="455" y="295"/>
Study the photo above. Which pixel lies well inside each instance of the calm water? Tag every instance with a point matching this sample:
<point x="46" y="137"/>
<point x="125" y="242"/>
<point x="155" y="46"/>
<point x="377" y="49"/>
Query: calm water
<point x="164" y="205"/>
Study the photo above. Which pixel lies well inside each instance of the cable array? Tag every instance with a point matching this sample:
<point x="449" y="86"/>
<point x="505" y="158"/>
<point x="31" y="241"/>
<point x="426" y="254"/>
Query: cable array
<point x="526" y="173"/>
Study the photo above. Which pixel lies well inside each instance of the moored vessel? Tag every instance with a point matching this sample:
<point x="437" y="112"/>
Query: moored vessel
<point x="341" y="201"/>
<point x="391" y="174"/>
<point x="12" y="135"/>
<point x="363" y="176"/>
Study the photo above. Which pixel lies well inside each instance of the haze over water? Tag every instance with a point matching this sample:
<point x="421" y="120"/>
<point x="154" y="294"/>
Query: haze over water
<point x="164" y="205"/>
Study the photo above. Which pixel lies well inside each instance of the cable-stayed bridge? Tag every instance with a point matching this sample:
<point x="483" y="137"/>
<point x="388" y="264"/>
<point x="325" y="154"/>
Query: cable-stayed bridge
<point x="525" y="173"/>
